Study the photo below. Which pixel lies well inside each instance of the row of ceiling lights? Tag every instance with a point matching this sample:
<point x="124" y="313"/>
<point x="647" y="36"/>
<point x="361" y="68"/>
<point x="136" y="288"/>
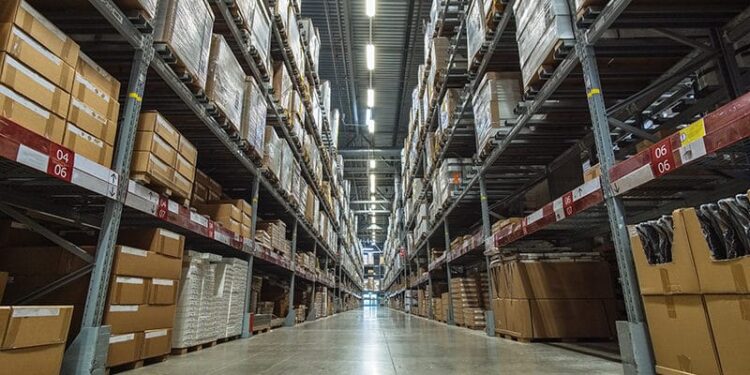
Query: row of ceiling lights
<point x="370" y="54"/>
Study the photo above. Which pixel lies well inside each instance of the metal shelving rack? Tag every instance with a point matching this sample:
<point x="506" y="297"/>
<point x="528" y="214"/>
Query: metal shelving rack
<point x="708" y="167"/>
<point x="45" y="178"/>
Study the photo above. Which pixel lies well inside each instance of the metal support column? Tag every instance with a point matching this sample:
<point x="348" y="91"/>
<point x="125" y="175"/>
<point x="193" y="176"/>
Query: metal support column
<point x="291" y="316"/>
<point x="450" y="318"/>
<point x="88" y="352"/>
<point x="489" y="314"/>
<point x="727" y="62"/>
<point x="430" y="312"/>
<point x="311" y="311"/>
<point x="246" y="329"/>
<point x="633" y="334"/>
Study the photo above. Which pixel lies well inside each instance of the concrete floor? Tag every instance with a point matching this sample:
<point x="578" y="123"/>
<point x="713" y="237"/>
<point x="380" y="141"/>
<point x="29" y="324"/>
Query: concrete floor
<point x="380" y="341"/>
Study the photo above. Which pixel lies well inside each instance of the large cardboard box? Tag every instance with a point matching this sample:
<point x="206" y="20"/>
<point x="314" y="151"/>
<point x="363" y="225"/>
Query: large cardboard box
<point x="555" y="280"/>
<point x="37" y="360"/>
<point x="677" y="277"/>
<point x="148" y="141"/>
<point x="162" y="291"/>
<point x="188" y="151"/>
<point x="30" y="115"/>
<point x="23" y="80"/>
<point x="680" y="335"/>
<point x="136" y="318"/>
<point x="156" y="342"/>
<point x="729" y="315"/>
<point x="27" y="326"/>
<point x="130" y="261"/>
<point x="558" y="318"/>
<point x="715" y="277"/>
<point x="185" y="168"/>
<point x="87" y="145"/>
<point x="158" y="240"/>
<point x="23" y="47"/>
<point x="3" y="283"/>
<point x="97" y="88"/>
<point x="147" y="164"/>
<point x="128" y="290"/>
<point x="181" y="187"/>
<point x="219" y="211"/>
<point x="124" y="348"/>
<point x="95" y="123"/>
<point x="153" y="121"/>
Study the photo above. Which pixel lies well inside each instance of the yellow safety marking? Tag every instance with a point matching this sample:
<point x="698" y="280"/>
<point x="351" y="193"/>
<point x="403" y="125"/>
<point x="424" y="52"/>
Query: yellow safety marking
<point x="593" y="92"/>
<point x="693" y="132"/>
<point x="135" y="96"/>
<point x="483" y="197"/>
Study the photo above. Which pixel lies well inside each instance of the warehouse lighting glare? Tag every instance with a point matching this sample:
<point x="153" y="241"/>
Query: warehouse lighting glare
<point x="370" y="8"/>
<point x="370" y="57"/>
<point x="373" y="219"/>
<point x="372" y="198"/>
<point x="372" y="207"/>
<point x="372" y="185"/>
<point x="371" y="125"/>
<point x="370" y="98"/>
<point x="372" y="164"/>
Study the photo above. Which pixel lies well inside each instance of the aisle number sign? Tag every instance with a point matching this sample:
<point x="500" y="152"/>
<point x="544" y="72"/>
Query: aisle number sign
<point x="662" y="157"/>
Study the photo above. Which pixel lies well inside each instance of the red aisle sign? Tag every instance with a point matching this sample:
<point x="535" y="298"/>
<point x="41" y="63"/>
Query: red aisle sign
<point x="163" y="208"/>
<point x="211" y="229"/>
<point x="567" y="201"/>
<point x="662" y="158"/>
<point x="60" y="163"/>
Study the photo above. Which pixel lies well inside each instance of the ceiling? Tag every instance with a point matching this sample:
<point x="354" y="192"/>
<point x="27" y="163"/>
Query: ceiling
<point x="398" y="36"/>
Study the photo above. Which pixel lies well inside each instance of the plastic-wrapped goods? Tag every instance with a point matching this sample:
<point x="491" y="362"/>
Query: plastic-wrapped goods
<point x="244" y="10"/>
<point x="281" y="11"/>
<point x="656" y="236"/>
<point x="254" y="110"/>
<point x="317" y="113"/>
<point x="283" y="89"/>
<point x="295" y="177"/>
<point x="185" y="26"/>
<point x="429" y="31"/>
<point x="287" y="170"/>
<point x="295" y="42"/>
<point x="541" y="24"/>
<point x="298" y="106"/>
<point x="233" y="289"/>
<point x="498" y="95"/>
<point x="147" y="6"/>
<point x="225" y="85"/>
<point x="195" y="319"/>
<point x="475" y="29"/>
<point x="272" y="153"/>
<point x="313" y="42"/>
<point x="325" y="98"/>
<point x="447" y="111"/>
<point x="438" y="68"/>
<point x="429" y="150"/>
<point x="260" y="33"/>
<point x="302" y="195"/>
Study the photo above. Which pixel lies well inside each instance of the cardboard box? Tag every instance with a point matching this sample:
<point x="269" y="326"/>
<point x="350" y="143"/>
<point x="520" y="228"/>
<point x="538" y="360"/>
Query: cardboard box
<point x="558" y="318"/>
<point x="3" y="283"/>
<point x="592" y="173"/>
<point x="556" y="279"/>
<point x="244" y="206"/>
<point x="95" y="123"/>
<point x="30" y="115"/>
<point x="87" y="145"/>
<point x="156" y="342"/>
<point x="153" y="143"/>
<point x="680" y="335"/>
<point x="162" y="291"/>
<point x="219" y="211"/>
<point x="715" y="277"/>
<point x="136" y="318"/>
<point x="148" y="165"/>
<point x="184" y="168"/>
<point x="27" y="326"/>
<point x="130" y="261"/>
<point x="187" y="150"/>
<point x="128" y="290"/>
<point x="182" y="187"/>
<point x="245" y="231"/>
<point x="124" y="348"/>
<point x="677" y="277"/>
<point x="158" y="240"/>
<point x="154" y="122"/>
<point x="230" y="224"/>
<point x="95" y="87"/>
<point x="23" y="80"/>
<point x="19" y="44"/>
<point x="37" y="360"/>
<point x="729" y="316"/>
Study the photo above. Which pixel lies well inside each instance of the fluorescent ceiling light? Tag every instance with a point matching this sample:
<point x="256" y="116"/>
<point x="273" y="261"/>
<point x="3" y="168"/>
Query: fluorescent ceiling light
<point x="371" y="126"/>
<point x="372" y="206"/>
<point x="370" y="57"/>
<point x="372" y="185"/>
<point x="370" y="98"/>
<point x="370" y="8"/>
<point x="373" y="164"/>
<point x="374" y="219"/>
<point x="372" y="198"/>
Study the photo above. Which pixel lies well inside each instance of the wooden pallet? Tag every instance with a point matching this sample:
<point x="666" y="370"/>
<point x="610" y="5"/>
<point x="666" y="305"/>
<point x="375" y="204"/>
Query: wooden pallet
<point x="227" y="339"/>
<point x="194" y="348"/>
<point x="154" y="184"/>
<point x="137" y="364"/>
<point x="262" y="330"/>
<point x="556" y="55"/>
<point x="251" y="152"/>
<point x="166" y="52"/>
<point x="218" y="114"/>
<point x="561" y="339"/>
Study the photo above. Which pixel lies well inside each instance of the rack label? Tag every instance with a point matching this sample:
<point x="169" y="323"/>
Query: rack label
<point x="662" y="158"/>
<point x="567" y="203"/>
<point x="211" y="229"/>
<point x="692" y="133"/>
<point x="161" y="208"/>
<point x="60" y="162"/>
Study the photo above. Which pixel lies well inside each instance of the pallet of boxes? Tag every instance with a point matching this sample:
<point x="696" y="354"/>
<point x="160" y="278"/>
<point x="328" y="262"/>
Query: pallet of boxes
<point x="553" y="296"/>
<point x="691" y="268"/>
<point x="466" y="306"/>
<point x="143" y="296"/>
<point x="234" y="215"/>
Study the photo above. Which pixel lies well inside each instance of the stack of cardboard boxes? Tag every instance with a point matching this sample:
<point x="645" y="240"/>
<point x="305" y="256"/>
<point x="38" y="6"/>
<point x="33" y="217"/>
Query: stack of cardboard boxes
<point x="697" y="307"/>
<point x="466" y="299"/>
<point x="235" y="215"/>
<point x="205" y="189"/>
<point x="553" y="296"/>
<point x="162" y="157"/>
<point x="196" y="319"/>
<point x="276" y="229"/>
<point x="32" y="338"/>
<point x="445" y="304"/>
<point x="494" y="105"/>
<point x="50" y="88"/>
<point x="143" y="295"/>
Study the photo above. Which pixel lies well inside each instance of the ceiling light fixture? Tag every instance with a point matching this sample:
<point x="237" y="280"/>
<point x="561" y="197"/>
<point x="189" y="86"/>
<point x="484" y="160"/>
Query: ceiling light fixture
<point x="371" y="125"/>
<point x="370" y="8"/>
<point x="370" y="98"/>
<point x="372" y="185"/>
<point x="370" y="56"/>
<point x="373" y="164"/>
<point x="372" y="198"/>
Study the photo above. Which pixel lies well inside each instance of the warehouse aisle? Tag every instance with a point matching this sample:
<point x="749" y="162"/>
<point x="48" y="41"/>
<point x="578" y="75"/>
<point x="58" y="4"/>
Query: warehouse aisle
<point x="379" y="341"/>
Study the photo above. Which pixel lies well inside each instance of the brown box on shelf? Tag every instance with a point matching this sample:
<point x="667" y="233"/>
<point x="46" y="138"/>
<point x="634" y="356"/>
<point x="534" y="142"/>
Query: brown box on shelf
<point x="3" y="283"/>
<point x="245" y="231"/>
<point x="28" y="326"/>
<point x="162" y="291"/>
<point x="31" y="116"/>
<point x="153" y="143"/>
<point x="128" y="290"/>
<point x="185" y="168"/>
<point x="181" y="186"/>
<point x="38" y="360"/>
<point x="729" y="318"/>
<point x="23" y="80"/>
<point x="558" y="318"/>
<point x="86" y="118"/>
<point x="677" y="277"/>
<point x="136" y="318"/>
<point x="714" y="277"/>
<point x="130" y="261"/>
<point x="87" y="145"/>
<point x="243" y="205"/>
<point x="158" y="240"/>
<point x="219" y="211"/>
<point x="147" y="164"/>
<point x="592" y="173"/>
<point x="153" y="121"/>
<point x="681" y="335"/>
<point x="188" y="151"/>
<point x="558" y="279"/>
<point x="199" y="193"/>
<point x="156" y="342"/>
<point x="97" y="88"/>
<point x="21" y="45"/>
<point x="230" y="224"/>
<point x="124" y="348"/>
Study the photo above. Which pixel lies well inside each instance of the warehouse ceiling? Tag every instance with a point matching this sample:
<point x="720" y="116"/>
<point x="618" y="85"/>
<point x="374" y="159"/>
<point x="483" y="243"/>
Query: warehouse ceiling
<point x="397" y="33"/>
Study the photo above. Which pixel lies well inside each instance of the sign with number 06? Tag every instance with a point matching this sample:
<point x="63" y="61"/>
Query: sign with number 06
<point x="662" y="158"/>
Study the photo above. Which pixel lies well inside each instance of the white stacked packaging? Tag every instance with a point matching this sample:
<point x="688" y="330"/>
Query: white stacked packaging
<point x="498" y="95"/>
<point x="234" y="288"/>
<point x="193" y="320"/>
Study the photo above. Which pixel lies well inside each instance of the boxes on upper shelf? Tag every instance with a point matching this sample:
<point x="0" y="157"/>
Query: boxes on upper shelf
<point x="225" y="83"/>
<point x="498" y="95"/>
<point x="254" y="112"/>
<point x="32" y="338"/>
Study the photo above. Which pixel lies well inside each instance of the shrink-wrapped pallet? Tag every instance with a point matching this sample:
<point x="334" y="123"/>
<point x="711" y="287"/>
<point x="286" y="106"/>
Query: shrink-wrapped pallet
<point x="494" y="104"/>
<point x="185" y="27"/>
<point x="272" y="153"/>
<point x="313" y="42"/>
<point x="254" y="112"/>
<point x="225" y="85"/>
<point x="232" y="291"/>
<point x="260" y="33"/>
<point x="283" y="89"/>
<point x="194" y="323"/>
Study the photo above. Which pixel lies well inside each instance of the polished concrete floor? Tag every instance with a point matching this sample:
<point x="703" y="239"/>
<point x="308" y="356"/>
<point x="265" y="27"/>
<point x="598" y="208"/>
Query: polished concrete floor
<point x="380" y="341"/>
